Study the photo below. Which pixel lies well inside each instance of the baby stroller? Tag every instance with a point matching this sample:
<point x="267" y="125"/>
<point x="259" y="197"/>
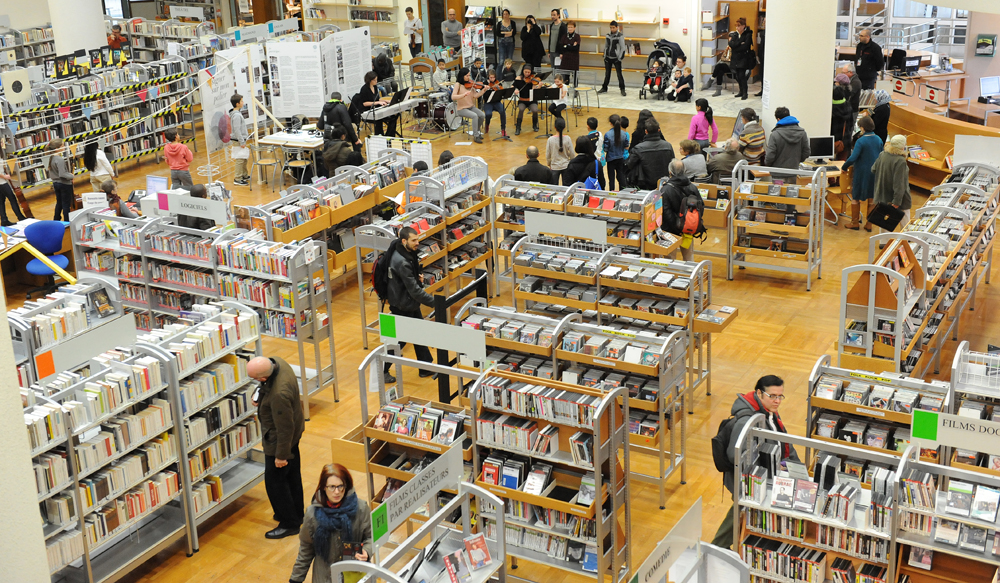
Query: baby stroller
<point x="664" y="52"/>
<point x="656" y="78"/>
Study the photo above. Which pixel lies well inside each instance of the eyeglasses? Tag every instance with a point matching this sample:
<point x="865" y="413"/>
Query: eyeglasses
<point x="773" y="397"/>
<point x="339" y="488"/>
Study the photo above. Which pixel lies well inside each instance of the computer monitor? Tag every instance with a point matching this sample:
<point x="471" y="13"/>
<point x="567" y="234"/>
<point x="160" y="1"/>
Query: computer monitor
<point x="897" y="60"/>
<point x="156" y="184"/>
<point x="821" y="148"/>
<point x="989" y="86"/>
<point x="912" y="64"/>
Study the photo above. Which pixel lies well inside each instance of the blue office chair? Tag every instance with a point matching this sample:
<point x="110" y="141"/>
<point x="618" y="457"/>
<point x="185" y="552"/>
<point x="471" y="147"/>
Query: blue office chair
<point x="47" y="237"/>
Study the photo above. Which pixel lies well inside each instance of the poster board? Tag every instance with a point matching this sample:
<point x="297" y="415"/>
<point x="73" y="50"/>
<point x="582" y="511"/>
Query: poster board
<point x="297" y="85"/>
<point x="353" y="59"/>
<point x="418" y="149"/>
<point x="473" y="44"/>
<point x="246" y="70"/>
<point x="218" y="84"/>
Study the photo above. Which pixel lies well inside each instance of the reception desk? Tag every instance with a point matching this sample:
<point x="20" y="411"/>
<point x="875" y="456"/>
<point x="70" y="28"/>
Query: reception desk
<point x="934" y="133"/>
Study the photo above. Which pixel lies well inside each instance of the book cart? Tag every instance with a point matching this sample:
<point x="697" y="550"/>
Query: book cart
<point x="130" y="107"/>
<point x="112" y="490"/>
<point x="975" y="392"/>
<point x="872" y="412"/>
<point x="582" y="481"/>
<point x="532" y="345"/>
<point x="48" y="334"/>
<point x="777" y="222"/>
<point x="953" y="239"/>
<point x="785" y="529"/>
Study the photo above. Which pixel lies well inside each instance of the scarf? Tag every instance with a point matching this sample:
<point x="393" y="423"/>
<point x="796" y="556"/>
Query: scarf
<point x="882" y="97"/>
<point x="329" y="520"/>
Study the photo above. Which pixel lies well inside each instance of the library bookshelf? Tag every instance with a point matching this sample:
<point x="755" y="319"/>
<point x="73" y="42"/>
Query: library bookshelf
<point x="598" y="446"/>
<point x="30" y="46"/>
<point x="974" y="384"/>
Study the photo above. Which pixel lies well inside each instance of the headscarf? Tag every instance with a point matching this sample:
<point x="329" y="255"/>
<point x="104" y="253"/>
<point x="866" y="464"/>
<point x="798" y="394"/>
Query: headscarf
<point x="882" y="97"/>
<point x="329" y="520"/>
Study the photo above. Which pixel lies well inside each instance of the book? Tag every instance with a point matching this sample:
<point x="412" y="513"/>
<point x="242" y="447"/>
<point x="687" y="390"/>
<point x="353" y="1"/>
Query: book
<point x="477" y="552"/>
<point x="383" y="421"/>
<point x="456" y="567"/>
<point x="588" y="490"/>
<point x="984" y="504"/>
<point x="959" y="500"/>
<point x="972" y="538"/>
<point x="101" y="302"/>
<point x="921" y="558"/>
<point x="590" y="559"/>
<point x="805" y="496"/>
<point x="946" y="531"/>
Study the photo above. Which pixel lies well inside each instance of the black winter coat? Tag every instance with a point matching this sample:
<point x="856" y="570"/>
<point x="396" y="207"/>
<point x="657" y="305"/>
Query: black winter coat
<point x="880" y="115"/>
<point x="653" y="155"/>
<point x="405" y="290"/>
<point x="742" y="46"/>
<point x="674" y="192"/>
<point x="534" y="171"/>
<point x="532" y="49"/>
<point x="868" y="60"/>
<point x="580" y="168"/>
<point x="335" y="112"/>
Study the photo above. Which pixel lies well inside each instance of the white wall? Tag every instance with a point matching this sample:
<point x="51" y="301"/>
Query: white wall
<point x="799" y="84"/>
<point x="976" y="66"/>
<point x="77" y="24"/>
<point x="26" y="14"/>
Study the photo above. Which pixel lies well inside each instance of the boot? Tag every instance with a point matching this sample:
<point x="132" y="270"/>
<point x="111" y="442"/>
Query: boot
<point x="708" y="84"/>
<point x="868" y="226"/>
<point x="718" y="91"/>
<point x="517" y="130"/>
<point x="855" y="214"/>
<point x="487" y="130"/>
<point x="603" y="90"/>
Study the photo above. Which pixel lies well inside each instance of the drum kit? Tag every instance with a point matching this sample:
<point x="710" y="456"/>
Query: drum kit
<point x="439" y="111"/>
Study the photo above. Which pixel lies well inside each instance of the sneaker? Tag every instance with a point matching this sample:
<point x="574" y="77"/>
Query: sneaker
<point x="603" y="90"/>
<point x="426" y="373"/>
<point x="240" y="182"/>
<point x="534" y="128"/>
<point x="478" y="139"/>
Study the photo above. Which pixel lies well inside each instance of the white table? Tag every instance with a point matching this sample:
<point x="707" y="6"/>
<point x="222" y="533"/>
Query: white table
<point x="299" y="139"/>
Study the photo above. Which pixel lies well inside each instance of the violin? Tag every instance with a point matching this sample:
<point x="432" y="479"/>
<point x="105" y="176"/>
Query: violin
<point x="496" y="85"/>
<point x="533" y="80"/>
<point x="474" y="84"/>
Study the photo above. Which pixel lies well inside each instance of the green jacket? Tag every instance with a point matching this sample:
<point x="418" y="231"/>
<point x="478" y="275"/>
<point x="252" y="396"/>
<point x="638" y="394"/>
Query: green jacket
<point x="280" y="411"/>
<point x="892" y="180"/>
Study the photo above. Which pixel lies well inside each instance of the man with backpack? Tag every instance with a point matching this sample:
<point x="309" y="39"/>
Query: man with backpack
<point x="683" y="208"/>
<point x="397" y="281"/>
<point x="649" y="159"/>
<point x="766" y="398"/>
<point x="335" y="112"/>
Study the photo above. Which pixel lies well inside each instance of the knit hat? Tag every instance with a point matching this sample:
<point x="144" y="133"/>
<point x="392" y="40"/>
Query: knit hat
<point x="842" y="79"/>
<point x="898" y="141"/>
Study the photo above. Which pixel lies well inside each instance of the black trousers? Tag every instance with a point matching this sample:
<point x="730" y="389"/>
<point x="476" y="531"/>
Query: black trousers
<point x="742" y="75"/>
<point x="423" y="353"/>
<point x="6" y="192"/>
<point x="719" y="72"/>
<point x="64" y="200"/>
<point x="284" y="489"/>
<point x="608" y="63"/>
<point x="386" y="127"/>
<point x="416" y="49"/>
<point x="868" y="83"/>
<point x="557" y="110"/>
<point x="682" y="95"/>
<point x="616" y="169"/>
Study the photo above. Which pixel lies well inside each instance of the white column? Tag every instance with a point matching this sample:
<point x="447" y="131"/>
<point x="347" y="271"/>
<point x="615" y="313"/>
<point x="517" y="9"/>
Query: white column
<point x="798" y="73"/>
<point x="77" y="24"/>
<point x="21" y="538"/>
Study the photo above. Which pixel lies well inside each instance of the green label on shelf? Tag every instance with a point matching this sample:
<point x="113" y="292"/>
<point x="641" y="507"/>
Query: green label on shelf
<point x="380" y="522"/>
<point x="387" y="326"/>
<point x="925" y="425"/>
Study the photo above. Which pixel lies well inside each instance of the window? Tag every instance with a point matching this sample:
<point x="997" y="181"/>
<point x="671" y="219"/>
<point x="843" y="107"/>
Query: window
<point x="844" y="32"/>
<point x="113" y="8"/>
<point x="913" y="9"/>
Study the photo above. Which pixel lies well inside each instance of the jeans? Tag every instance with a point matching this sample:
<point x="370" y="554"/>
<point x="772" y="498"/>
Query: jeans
<point x="557" y="110"/>
<point x="521" y="106"/>
<point x="476" y="115"/>
<point x="616" y="168"/>
<point x="498" y="107"/>
<point x="6" y="192"/>
<point x="505" y="51"/>
<point x="423" y="353"/>
<point x="600" y="178"/>
<point x="284" y="489"/>
<point x="64" y="200"/>
<point x="704" y="144"/>
<point x="608" y="63"/>
<point x="182" y="179"/>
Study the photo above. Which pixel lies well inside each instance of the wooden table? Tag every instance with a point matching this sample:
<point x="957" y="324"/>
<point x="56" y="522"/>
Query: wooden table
<point x="976" y="112"/>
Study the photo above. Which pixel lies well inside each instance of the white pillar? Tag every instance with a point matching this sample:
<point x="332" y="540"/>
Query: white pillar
<point x="77" y="24"/>
<point x="20" y="526"/>
<point x="798" y="71"/>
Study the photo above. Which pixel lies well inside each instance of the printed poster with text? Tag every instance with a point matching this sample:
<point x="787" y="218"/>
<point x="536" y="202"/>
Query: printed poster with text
<point x="296" y="78"/>
<point x="217" y="85"/>
<point x="247" y="70"/>
<point x="353" y="58"/>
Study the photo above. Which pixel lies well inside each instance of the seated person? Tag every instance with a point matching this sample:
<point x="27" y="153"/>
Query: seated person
<point x="684" y="85"/>
<point x="441" y="78"/>
<point x="695" y="166"/>
<point x="121" y="208"/>
<point x="197" y="191"/>
<point x="557" y="106"/>
<point x="370" y="97"/>
<point x="336" y="150"/>
<point x="653" y="78"/>
<point x="671" y="89"/>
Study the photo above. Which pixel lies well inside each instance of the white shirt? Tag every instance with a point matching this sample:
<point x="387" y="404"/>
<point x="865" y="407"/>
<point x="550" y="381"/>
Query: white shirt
<point x="563" y="92"/>
<point x="440" y="77"/>
<point x="412" y="26"/>
<point x="103" y="167"/>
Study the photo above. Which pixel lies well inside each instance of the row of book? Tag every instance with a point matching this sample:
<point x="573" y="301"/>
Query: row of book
<point x="194" y="278"/>
<point x="136" y="503"/>
<point x="218" y="417"/>
<point x="135" y="293"/>
<point x="423" y="422"/>
<point x="63" y="549"/>
<point x="133" y="468"/>
<point x="554" y="546"/>
<point x="207" y="458"/>
<point x="51" y="471"/>
<point x="122" y="433"/>
<point x="181" y="245"/>
<point x="46" y="424"/>
<point x="128" y="268"/>
<point x="250" y="253"/>
<point x="218" y="379"/>
<point x="539" y="401"/>
<point x="99" y="397"/>
<point x="207" y="340"/>
<point x="853" y="543"/>
<point x="517" y="472"/>
<point x="206" y="494"/>
<point x="860" y="431"/>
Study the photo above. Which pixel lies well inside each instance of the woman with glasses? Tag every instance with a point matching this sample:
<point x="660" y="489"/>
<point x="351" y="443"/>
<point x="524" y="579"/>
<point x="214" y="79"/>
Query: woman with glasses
<point x="766" y="398"/>
<point x="337" y="527"/>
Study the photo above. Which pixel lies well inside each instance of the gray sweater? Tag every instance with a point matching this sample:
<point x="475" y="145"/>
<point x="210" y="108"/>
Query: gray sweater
<point x="59" y="170"/>
<point x="892" y="180"/>
<point x="238" y="129"/>
<point x="451" y="33"/>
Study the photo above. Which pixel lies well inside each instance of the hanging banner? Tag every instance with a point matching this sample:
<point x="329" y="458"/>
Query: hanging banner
<point x="354" y="59"/>
<point x="296" y="78"/>
<point x="218" y="84"/>
<point x="246" y="61"/>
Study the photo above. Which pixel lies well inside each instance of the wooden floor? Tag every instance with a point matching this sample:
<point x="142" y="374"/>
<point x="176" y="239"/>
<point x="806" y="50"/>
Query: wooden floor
<point x="782" y="329"/>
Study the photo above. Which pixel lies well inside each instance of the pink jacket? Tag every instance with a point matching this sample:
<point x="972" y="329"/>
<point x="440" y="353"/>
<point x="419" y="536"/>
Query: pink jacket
<point x="178" y="156"/>
<point x="699" y="128"/>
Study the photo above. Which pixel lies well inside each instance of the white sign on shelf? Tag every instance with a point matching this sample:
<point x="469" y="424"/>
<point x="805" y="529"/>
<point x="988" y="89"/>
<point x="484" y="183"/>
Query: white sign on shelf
<point x="395" y="329"/>
<point x="94" y="200"/>
<point x="418" y="149"/>
<point x="983" y="149"/>
<point x="593" y="229"/>
<point x="280" y="27"/>
<point x="187" y="12"/>
<point x="117" y="332"/>
<point x="685" y="534"/>
<point x="171" y="202"/>
<point x="931" y="430"/>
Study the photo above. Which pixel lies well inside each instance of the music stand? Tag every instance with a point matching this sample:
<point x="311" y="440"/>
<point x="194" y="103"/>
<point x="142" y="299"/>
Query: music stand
<point x="542" y="76"/>
<point x="499" y="97"/>
<point x="547" y="94"/>
<point x="400" y="96"/>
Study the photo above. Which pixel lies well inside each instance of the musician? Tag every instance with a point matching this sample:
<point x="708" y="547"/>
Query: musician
<point x="465" y="94"/>
<point x="370" y="98"/>
<point x="556" y="107"/>
<point x="441" y="77"/>
<point x="494" y="84"/>
<point x="524" y="84"/>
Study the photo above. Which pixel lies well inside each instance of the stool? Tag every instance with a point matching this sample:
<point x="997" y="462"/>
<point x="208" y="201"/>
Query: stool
<point x="264" y="156"/>
<point x="294" y="161"/>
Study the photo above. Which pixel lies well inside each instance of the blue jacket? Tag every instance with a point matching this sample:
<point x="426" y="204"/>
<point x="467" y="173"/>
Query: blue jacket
<point x="866" y="151"/>
<point x="611" y="151"/>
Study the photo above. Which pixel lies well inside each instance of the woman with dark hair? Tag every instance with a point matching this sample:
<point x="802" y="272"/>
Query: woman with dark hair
<point x="465" y="95"/>
<point x="866" y="151"/>
<point x="370" y="97"/>
<point x="335" y="517"/>
<point x="753" y="142"/>
<point x="504" y="32"/>
<point x="584" y="165"/>
<point x="97" y="162"/>
<point x="743" y="58"/>
<point x="523" y="86"/>
<point x="880" y="114"/>
<point x="115" y="203"/>
<point x="532" y="49"/>
<point x="559" y="150"/>
<point x="615" y="144"/>
<point x="640" y="128"/>
<point x="703" y="125"/>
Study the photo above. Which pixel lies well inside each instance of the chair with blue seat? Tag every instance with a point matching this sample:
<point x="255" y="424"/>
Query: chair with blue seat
<point x="47" y="238"/>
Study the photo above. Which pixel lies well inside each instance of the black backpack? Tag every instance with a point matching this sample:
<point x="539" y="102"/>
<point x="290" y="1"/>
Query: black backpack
<point x="380" y="273"/>
<point x="720" y="443"/>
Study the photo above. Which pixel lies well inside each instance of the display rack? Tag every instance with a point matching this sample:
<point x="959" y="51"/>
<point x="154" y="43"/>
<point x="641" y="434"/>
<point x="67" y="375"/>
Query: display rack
<point x="879" y="407"/>
<point x="117" y="104"/>
<point x="950" y="243"/>
<point x="381" y="16"/>
<point x="861" y="537"/>
<point x="601" y="447"/>
<point x="291" y="290"/>
<point x="212" y="11"/>
<point x="761" y="216"/>
<point x="975" y="392"/>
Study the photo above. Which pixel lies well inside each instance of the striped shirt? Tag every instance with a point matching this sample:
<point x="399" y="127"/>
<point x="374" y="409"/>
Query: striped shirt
<point x="753" y="142"/>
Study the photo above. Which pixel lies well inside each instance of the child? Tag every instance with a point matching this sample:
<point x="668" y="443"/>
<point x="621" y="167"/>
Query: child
<point x="478" y="71"/>
<point x="441" y="78"/>
<point x="615" y="146"/>
<point x="597" y="140"/>
<point x="498" y="107"/>
<point x="62" y="178"/>
<point x="509" y="73"/>
<point x="556" y="107"/>
<point x="672" y="89"/>
<point x="654" y="76"/>
<point x="559" y="150"/>
<point x="625" y="123"/>
<point x="684" y="85"/>
<point x="179" y="159"/>
<point x="238" y="133"/>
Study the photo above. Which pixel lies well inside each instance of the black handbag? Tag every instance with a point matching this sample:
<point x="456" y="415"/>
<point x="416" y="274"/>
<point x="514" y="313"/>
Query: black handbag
<point x="886" y="216"/>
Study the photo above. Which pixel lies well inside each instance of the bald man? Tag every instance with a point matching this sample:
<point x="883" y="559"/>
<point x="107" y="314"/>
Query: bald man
<point x="721" y="165"/>
<point x="281" y="423"/>
<point x="533" y="171"/>
<point x="868" y="59"/>
<point x="451" y="31"/>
